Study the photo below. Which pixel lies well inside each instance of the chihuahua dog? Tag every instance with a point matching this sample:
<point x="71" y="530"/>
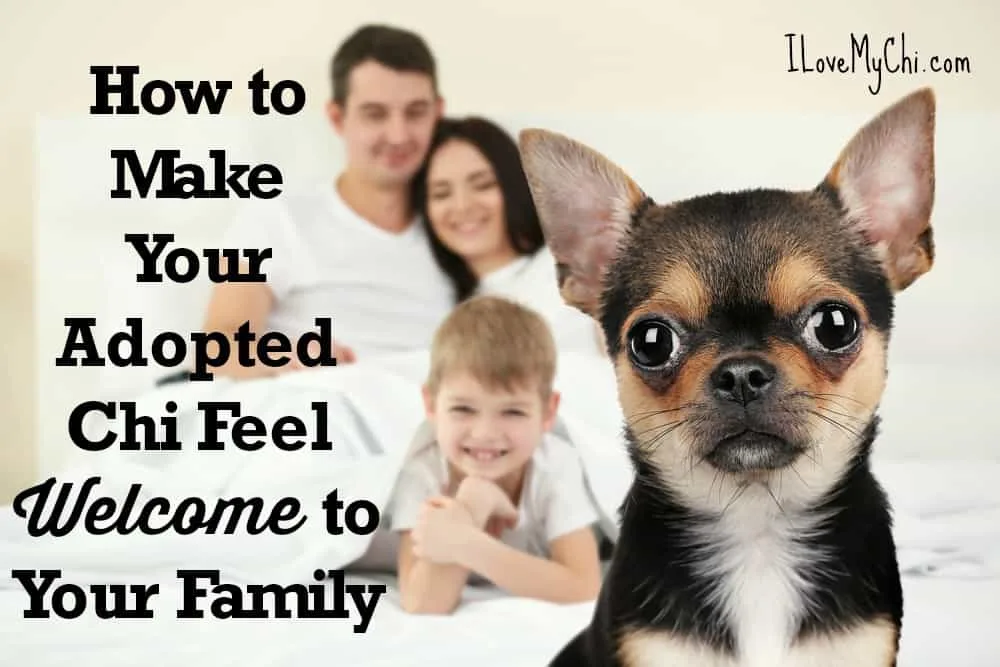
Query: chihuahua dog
<point x="749" y="333"/>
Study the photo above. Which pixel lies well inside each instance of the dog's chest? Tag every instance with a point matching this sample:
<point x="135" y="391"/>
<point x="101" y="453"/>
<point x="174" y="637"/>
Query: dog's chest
<point x="761" y="585"/>
<point x="758" y="570"/>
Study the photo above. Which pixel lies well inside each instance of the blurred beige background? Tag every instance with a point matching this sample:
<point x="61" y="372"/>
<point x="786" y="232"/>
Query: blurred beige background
<point x="494" y="57"/>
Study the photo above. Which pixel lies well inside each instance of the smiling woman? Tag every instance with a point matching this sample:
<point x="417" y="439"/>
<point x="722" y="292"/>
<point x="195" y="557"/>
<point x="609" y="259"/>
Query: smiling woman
<point x="484" y="230"/>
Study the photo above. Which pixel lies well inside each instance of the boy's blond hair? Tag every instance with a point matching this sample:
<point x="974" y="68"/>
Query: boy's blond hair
<point x="501" y="344"/>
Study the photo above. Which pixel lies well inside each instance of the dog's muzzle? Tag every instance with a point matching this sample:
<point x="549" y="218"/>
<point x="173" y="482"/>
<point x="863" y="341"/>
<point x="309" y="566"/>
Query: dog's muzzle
<point x="752" y="451"/>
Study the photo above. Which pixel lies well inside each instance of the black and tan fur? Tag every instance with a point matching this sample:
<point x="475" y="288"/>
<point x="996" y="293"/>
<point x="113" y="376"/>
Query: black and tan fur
<point x="754" y="533"/>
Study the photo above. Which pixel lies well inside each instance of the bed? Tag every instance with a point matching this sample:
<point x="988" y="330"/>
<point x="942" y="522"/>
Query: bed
<point x="936" y="456"/>
<point x="950" y="622"/>
<point x="947" y="514"/>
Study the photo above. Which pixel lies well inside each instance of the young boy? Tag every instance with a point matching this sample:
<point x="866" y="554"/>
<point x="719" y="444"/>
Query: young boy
<point x="488" y="492"/>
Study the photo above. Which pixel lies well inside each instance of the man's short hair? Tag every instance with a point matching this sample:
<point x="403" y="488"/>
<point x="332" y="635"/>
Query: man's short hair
<point x="500" y="343"/>
<point x="395" y="48"/>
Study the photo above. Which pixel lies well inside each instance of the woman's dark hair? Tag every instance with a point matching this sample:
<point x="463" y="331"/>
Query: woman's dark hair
<point x="523" y="227"/>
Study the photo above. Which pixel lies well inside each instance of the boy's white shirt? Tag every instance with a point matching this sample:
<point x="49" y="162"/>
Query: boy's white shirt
<point x="383" y="290"/>
<point x="555" y="501"/>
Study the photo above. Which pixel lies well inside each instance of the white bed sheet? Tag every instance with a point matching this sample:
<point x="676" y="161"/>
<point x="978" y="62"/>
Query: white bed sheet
<point x="947" y="514"/>
<point x="948" y="532"/>
<point x="948" y="621"/>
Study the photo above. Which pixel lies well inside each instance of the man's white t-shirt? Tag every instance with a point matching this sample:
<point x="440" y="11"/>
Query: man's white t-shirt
<point x="555" y="500"/>
<point x="383" y="291"/>
<point x="531" y="281"/>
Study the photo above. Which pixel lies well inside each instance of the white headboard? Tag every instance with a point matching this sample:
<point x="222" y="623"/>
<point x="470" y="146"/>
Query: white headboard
<point x="942" y="357"/>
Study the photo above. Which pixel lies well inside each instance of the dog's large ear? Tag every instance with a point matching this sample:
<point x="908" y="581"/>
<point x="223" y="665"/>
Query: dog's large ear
<point x="885" y="179"/>
<point x="586" y="205"/>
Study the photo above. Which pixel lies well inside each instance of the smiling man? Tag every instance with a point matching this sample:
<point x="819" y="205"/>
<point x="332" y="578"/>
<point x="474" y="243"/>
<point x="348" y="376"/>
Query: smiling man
<point x="353" y="249"/>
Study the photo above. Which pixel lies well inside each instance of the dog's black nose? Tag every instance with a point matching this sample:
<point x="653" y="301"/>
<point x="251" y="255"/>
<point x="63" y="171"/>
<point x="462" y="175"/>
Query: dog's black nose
<point x="742" y="379"/>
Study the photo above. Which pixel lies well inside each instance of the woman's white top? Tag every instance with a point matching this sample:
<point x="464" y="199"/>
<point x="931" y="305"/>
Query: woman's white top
<point x="531" y="281"/>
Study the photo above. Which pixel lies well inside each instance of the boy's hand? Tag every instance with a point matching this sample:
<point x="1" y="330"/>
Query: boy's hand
<point x="495" y="526"/>
<point x="487" y="503"/>
<point x="441" y="530"/>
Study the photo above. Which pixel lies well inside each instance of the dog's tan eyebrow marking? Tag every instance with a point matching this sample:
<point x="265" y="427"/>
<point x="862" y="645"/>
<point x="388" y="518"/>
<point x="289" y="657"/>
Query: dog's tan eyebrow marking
<point x="796" y="280"/>
<point x="681" y="292"/>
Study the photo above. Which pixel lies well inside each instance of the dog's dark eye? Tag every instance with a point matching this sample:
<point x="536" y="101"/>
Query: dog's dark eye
<point x="652" y="343"/>
<point x="834" y="326"/>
